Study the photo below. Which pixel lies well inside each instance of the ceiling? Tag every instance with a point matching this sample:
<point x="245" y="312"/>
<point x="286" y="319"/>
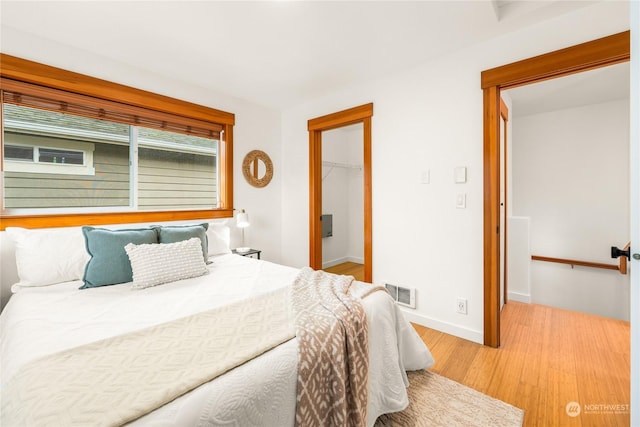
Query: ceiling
<point x="586" y="88"/>
<point x="274" y="53"/>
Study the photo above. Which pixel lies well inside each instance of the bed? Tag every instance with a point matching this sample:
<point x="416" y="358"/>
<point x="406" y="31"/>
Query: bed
<point x="41" y="320"/>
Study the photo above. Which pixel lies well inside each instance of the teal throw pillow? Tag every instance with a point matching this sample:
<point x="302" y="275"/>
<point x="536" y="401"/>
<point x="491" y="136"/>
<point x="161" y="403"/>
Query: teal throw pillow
<point x="109" y="263"/>
<point x="178" y="233"/>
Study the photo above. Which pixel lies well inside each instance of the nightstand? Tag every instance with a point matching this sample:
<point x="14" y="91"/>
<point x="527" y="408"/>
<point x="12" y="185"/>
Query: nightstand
<point x="248" y="253"/>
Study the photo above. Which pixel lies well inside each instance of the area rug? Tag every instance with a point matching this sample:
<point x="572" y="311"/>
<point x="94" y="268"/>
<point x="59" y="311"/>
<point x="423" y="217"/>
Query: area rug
<point x="437" y="401"/>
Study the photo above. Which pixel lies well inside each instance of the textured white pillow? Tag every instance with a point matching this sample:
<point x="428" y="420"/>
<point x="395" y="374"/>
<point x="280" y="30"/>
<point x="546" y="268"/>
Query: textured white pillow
<point x="48" y="256"/>
<point x="219" y="237"/>
<point x="158" y="263"/>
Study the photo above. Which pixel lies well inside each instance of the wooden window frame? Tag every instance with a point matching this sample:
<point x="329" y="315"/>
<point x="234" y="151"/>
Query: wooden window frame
<point x="21" y="70"/>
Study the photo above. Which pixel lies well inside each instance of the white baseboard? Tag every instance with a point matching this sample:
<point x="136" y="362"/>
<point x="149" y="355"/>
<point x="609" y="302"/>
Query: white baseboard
<point x="516" y="296"/>
<point x="327" y="264"/>
<point x="355" y="259"/>
<point x="456" y="330"/>
<point x="448" y="328"/>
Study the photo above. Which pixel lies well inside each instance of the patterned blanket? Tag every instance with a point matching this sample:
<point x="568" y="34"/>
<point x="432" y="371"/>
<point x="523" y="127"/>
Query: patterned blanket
<point x="333" y="346"/>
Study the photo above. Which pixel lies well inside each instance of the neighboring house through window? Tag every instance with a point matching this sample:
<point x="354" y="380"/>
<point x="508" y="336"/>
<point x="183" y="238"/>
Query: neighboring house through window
<point x="113" y="165"/>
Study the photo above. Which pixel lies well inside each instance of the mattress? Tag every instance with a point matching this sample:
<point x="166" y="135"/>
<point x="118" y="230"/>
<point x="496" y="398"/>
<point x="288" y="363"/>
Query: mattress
<point x="261" y="392"/>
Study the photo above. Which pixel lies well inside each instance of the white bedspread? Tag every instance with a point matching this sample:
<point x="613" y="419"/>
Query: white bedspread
<point x="40" y="321"/>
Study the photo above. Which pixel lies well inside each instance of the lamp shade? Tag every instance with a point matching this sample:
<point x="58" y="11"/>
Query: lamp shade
<point x="242" y="220"/>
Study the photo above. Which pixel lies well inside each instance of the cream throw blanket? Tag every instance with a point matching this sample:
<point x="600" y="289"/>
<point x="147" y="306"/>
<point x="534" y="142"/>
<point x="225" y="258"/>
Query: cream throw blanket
<point x="119" y="379"/>
<point x="116" y="380"/>
<point x="333" y="348"/>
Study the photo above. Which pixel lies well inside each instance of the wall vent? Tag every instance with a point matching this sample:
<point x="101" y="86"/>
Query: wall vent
<point x="401" y="295"/>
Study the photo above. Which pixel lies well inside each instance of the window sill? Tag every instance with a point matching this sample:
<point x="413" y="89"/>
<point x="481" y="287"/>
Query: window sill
<point x="71" y="220"/>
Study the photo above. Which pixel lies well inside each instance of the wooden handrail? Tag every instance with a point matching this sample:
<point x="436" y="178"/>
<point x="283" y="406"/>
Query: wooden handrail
<point x="623" y="261"/>
<point x="621" y="267"/>
<point x="576" y="262"/>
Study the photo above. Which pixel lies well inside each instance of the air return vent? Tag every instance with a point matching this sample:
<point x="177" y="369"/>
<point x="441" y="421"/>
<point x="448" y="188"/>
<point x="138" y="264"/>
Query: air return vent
<point x="401" y="295"/>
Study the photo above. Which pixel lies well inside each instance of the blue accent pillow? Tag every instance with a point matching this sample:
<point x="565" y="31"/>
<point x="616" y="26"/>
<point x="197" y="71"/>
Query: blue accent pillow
<point x="178" y="233"/>
<point x="109" y="263"/>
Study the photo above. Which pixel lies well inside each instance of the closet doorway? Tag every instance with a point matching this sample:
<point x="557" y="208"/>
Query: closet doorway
<point x="343" y="201"/>
<point x="360" y="116"/>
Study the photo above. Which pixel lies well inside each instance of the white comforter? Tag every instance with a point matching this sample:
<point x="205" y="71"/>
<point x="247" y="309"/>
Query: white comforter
<point x="262" y="392"/>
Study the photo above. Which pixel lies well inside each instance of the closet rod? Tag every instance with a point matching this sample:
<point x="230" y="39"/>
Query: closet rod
<point x="341" y="165"/>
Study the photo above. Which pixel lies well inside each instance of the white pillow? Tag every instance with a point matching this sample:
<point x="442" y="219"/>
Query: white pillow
<point x="157" y="263"/>
<point x="48" y="256"/>
<point x="219" y="237"/>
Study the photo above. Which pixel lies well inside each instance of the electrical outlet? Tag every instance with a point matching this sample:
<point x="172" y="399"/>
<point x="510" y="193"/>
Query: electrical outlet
<point x="461" y="305"/>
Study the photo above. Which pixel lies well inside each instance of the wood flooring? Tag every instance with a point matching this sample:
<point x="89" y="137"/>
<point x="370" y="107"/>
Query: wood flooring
<point x="549" y="358"/>
<point x="348" y="269"/>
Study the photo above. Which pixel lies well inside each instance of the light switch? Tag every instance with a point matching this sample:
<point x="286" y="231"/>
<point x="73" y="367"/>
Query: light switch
<point x="460" y="175"/>
<point x="424" y="176"/>
<point x="461" y="200"/>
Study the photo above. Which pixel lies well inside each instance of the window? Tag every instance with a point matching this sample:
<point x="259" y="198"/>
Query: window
<point x="16" y="153"/>
<point x="108" y="155"/>
<point x="116" y="166"/>
<point x="60" y="157"/>
<point x="39" y="159"/>
<point x="176" y="171"/>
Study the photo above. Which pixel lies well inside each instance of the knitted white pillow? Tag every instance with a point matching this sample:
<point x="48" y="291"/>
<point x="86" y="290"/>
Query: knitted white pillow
<point x="155" y="264"/>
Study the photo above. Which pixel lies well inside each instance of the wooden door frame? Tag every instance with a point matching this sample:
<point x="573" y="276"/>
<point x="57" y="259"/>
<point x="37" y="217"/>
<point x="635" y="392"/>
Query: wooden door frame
<point x="598" y="53"/>
<point x="361" y="114"/>
<point x="504" y="113"/>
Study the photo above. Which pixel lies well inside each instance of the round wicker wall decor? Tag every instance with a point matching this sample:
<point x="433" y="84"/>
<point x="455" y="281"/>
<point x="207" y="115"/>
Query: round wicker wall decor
<point x="251" y="168"/>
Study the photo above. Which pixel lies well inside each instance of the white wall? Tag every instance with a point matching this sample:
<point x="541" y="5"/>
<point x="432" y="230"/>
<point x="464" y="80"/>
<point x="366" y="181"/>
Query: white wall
<point x="355" y="142"/>
<point x="519" y="259"/>
<point x="428" y="117"/>
<point x="335" y="196"/>
<point x="343" y="196"/>
<point x="571" y="177"/>
<point x="257" y="127"/>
